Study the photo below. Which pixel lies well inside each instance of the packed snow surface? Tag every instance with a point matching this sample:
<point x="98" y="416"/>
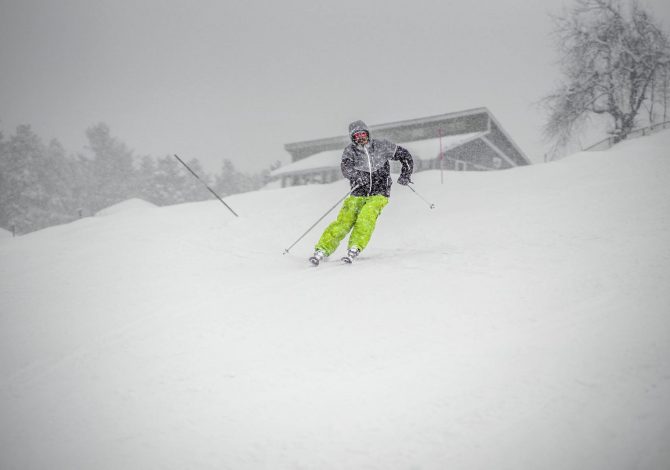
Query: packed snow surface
<point x="522" y="324"/>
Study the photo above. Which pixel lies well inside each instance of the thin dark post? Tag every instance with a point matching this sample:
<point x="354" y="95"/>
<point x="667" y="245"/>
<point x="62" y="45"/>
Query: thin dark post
<point x="205" y="185"/>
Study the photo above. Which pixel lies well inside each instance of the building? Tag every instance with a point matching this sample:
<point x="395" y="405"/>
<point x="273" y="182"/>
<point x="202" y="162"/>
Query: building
<point x="470" y="140"/>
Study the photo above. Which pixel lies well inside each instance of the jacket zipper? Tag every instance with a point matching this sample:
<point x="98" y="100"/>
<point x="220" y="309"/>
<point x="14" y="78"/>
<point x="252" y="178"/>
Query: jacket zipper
<point x="370" y="167"/>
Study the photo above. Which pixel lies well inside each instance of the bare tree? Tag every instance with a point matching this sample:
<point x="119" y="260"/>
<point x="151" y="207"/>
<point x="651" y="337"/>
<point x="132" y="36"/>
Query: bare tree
<point x="610" y="57"/>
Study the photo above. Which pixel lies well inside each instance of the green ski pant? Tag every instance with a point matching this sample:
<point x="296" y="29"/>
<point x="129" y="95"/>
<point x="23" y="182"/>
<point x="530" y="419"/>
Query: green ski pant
<point x="359" y="213"/>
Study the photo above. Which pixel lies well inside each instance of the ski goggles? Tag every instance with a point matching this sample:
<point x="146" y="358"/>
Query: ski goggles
<point x="360" y="135"/>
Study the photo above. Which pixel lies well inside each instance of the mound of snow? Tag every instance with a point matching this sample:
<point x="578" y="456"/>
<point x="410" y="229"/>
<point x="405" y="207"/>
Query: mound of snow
<point x="5" y="233"/>
<point x="126" y="206"/>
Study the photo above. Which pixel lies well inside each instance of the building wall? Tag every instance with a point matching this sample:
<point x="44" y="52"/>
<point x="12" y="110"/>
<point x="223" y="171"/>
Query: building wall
<point x="498" y="139"/>
<point x="479" y="156"/>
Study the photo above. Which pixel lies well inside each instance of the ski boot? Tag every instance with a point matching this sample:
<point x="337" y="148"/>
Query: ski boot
<point x="316" y="258"/>
<point x="351" y="255"/>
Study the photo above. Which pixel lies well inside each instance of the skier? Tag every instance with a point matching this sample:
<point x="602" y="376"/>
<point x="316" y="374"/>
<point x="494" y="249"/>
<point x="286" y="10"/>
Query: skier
<point x="365" y="162"/>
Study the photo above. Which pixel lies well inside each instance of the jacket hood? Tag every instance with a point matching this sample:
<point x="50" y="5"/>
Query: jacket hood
<point x="357" y="126"/>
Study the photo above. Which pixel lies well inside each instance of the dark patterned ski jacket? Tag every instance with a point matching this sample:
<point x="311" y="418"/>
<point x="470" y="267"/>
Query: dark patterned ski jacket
<point x="368" y="167"/>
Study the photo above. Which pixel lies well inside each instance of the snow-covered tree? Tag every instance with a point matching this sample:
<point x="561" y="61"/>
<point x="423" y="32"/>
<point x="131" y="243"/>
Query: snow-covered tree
<point x="145" y="177"/>
<point x="193" y="190"/>
<point x="58" y="177"/>
<point x="610" y="57"/>
<point x="35" y="184"/>
<point x="113" y="171"/>
<point x="167" y="181"/>
<point x="232" y="181"/>
<point x="23" y="198"/>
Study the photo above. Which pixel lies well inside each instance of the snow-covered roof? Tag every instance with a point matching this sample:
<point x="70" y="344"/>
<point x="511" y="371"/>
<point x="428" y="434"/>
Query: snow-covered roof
<point x="420" y="150"/>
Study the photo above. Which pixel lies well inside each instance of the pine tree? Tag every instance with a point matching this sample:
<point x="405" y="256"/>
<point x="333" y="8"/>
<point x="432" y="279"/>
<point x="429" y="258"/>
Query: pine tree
<point x="232" y="181"/>
<point x="226" y="181"/>
<point x="193" y="190"/>
<point x="59" y="179"/>
<point x="114" y="175"/>
<point x="168" y="182"/>
<point x="34" y="189"/>
<point x="145" y="179"/>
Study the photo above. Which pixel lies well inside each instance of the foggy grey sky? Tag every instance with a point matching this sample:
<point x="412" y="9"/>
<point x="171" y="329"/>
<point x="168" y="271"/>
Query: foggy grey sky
<point x="238" y="79"/>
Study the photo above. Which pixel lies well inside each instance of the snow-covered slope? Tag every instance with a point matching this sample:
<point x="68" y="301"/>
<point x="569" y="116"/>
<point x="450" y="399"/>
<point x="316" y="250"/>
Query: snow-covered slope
<point x="522" y="324"/>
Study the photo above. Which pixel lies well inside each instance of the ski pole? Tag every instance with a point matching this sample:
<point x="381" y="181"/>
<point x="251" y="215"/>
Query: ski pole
<point x="432" y="206"/>
<point x="205" y="184"/>
<point x="320" y="219"/>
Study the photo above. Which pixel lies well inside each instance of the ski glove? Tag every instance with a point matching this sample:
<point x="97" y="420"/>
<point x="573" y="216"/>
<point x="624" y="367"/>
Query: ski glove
<point x="404" y="180"/>
<point x="360" y="181"/>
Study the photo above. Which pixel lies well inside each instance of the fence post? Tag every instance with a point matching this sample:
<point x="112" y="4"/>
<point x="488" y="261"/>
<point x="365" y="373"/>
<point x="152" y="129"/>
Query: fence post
<point x="13" y="230"/>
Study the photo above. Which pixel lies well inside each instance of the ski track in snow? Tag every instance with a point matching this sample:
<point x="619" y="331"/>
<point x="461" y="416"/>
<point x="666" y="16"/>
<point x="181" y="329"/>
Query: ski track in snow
<point x="522" y="323"/>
